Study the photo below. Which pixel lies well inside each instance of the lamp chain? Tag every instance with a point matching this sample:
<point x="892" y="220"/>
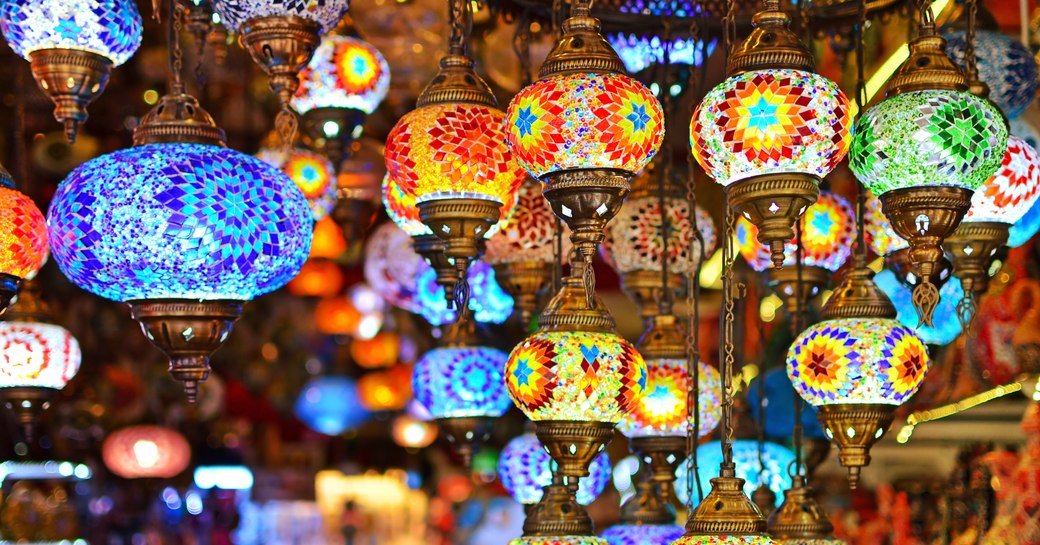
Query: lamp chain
<point x="522" y="48"/>
<point x="173" y="43"/>
<point x="729" y="296"/>
<point x="461" y="15"/>
<point x="729" y="27"/>
<point x="972" y="68"/>
<point x="800" y="320"/>
<point x="697" y="254"/>
<point x="927" y="18"/>
<point x="861" y="101"/>
<point x="664" y="303"/>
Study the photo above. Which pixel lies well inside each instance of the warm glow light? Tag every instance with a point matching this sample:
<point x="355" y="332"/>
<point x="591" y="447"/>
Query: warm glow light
<point x="661" y="411"/>
<point x="37" y="355"/>
<point x="146" y="452"/>
<point x="345" y="72"/>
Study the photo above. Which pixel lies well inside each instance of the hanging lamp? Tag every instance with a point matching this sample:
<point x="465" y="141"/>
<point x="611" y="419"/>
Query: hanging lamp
<point x="924" y="150"/>
<point x="201" y="229"/>
<point x="281" y="38"/>
<point x="800" y="520"/>
<point x="72" y="46"/>
<point x="773" y="130"/>
<point x="23" y="239"/>
<point x="358" y="181"/>
<point x="525" y="469"/>
<point x="885" y="242"/>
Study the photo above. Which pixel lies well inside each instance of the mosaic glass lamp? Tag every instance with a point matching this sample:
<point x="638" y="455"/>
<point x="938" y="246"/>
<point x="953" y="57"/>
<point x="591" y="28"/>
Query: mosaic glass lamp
<point x="182" y="229"/>
<point x="401" y="208"/>
<point x="1029" y="224"/>
<point x="856" y="367"/>
<point x="828" y="230"/>
<point x="584" y="129"/>
<point x="146" y="452"/>
<point x="392" y="268"/>
<point x="998" y="204"/>
<point x="523" y="251"/>
<point x="1004" y="64"/>
<point x="924" y="150"/>
<point x="488" y="303"/>
<point x="72" y="46"/>
<point x="311" y="172"/>
<point x="773" y="130"/>
<point x="525" y="469"/>
<point x="450" y="153"/>
<point x="23" y="239"/>
<point x="331" y="405"/>
<point x="635" y="247"/>
<point x="642" y="534"/>
<point x="345" y="81"/>
<point x="37" y="358"/>
<point x="281" y="37"/>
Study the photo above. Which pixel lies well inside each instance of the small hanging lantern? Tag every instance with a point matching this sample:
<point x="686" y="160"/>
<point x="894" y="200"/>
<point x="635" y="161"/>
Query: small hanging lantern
<point x="141" y="452"/>
<point x="800" y="520"/>
<point x="23" y="239"/>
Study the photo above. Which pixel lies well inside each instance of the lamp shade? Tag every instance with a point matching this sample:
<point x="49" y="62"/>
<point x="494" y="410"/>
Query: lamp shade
<point x="828" y="230"/>
<point x="634" y="240"/>
<point x="110" y="28"/>
<point x="525" y="469"/>
<point x="326" y="13"/>
<point x="857" y="361"/>
<point x="455" y="150"/>
<point x="772" y="472"/>
<point x="345" y="72"/>
<point x="584" y="121"/>
<point x="575" y="375"/>
<point x="23" y="234"/>
<point x="529" y="235"/>
<point x="1012" y="190"/>
<point x="179" y="221"/>
<point x="488" y="301"/>
<point x="945" y="325"/>
<point x="661" y="411"/>
<point x="146" y="452"/>
<point x="642" y="534"/>
<point x="401" y="208"/>
<point x="779" y="407"/>
<point x="462" y="381"/>
<point x="928" y="138"/>
<point x="37" y="355"/>
<point x="771" y="121"/>
<point x="331" y="405"/>
<point x="311" y="172"/>
<point x="879" y="233"/>
<point x="1004" y="64"/>
<point x="392" y="267"/>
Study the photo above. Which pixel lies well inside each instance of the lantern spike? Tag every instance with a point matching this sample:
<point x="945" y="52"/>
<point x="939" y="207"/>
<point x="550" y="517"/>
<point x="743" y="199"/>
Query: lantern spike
<point x="925" y="298"/>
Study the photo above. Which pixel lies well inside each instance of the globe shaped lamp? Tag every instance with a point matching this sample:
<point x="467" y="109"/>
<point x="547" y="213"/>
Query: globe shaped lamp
<point x="72" y="47"/>
<point x="331" y="405"/>
<point x="924" y="150"/>
<point x="584" y="129"/>
<point x="523" y="251"/>
<point x="146" y="452"/>
<point x="358" y="183"/>
<point x="182" y="229"/>
<point x="856" y="367"/>
<point x="769" y="471"/>
<point x="998" y="204"/>
<point x="392" y="268"/>
<point x="311" y="172"/>
<point x="401" y="208"/>
<point x="771" y="131"/>
<point x="525" y="469"/>
<point x="23" y="239"/>
<point x="281" y="37"/>
<point x="37" y="358"/>
<point x="1005" y="65"/>
<point x="345" y="81"/>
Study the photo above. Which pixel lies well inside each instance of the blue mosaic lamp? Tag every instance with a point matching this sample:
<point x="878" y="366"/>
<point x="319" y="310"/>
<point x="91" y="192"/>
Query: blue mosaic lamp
<point x="1004" y="64"/>
<point x="488" y="302"/>
<point x="331" y="405"/>
<point x="525" y="469"/>
<point x="72" y="46"/>
<point x="182" y="229"/>
<point x="772" y="471"/>
<point x="945" y="325"/>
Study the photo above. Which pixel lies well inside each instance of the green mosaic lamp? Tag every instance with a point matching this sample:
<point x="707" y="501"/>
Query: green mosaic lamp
<point x="924" y="150"/>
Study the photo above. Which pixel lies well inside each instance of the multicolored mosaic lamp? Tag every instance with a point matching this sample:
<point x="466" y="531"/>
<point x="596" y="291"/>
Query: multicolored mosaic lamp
<point x="392" y="268"/>
<point x="345" y="81"/>
<point x="584" y="129"/>
<point x="462" y="385"/>
<point x="523" y="251"/>
<point x="182" y="229"/>
<point x="311" y="172"/>
<point x="450" y="153"/>
<point x="1004" y="64"/>
<point x="999" y="203"/>
<point x="857" y="366"/>
<point x="72" y="46"/>
<point x="37" y="358"/>
<point x="773" y="130"/>
<point x="924" y="150"/>
<point x="23" y="239"/>
<point x="281" y="37"/>
<point x="525" y="470"/>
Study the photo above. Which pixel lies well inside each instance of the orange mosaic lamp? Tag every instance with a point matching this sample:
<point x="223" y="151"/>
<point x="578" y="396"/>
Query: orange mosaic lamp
<point x="23" y="239"/>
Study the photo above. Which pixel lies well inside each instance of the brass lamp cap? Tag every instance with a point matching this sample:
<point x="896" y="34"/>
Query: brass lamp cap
<point x="29" y="305"/>
<point x="858" y="297"/>
<point x="927" y="68"/>
<point x="800" y="517"/>
<point x="726" y="510"/>
<point x="456" y="82"/>
<point x="771" y="44"/>
<point x="663" y="339"/>
<point x="581" y="49"/>
<point x="569" y="309"/>
<point x="178" y="119"/>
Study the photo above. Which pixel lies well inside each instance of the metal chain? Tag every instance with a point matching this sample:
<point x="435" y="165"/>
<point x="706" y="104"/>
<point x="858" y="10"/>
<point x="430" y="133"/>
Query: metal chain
<point x="729" y="296"/>
<point x="664" y="304"/>
<point x="927" y="18"/>
<point x="461" y="16"/>
<point x="972" y="68"/>
<point x="861" y="102"/>
<point x="173" y="34"/>
<point x="522" y="47"/>
<point x="729" y="27"/>
<point x="799" y="316"/>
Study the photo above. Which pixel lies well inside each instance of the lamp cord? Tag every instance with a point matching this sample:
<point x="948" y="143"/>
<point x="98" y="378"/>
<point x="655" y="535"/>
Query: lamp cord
<point x="970" y="60"/>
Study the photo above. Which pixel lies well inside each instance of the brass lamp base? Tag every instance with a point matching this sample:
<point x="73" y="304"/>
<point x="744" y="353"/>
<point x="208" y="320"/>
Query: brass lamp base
<point x="9" y="285"/>
<point x="73" y="79"/>
<point x="784" y="283"/>
<point x="645" y="288"/>
<point x="466" y="434"/>
<point x="925" y="216"/>
<point x="973" y="246"/>
<point x="354" y="218"/>
<point x="461" y="225"/>
<point x="27" y="403"/>
<point x="572" y="445"/>
<point x="188" y="332"/>
<point x="663" y="455"/>
<point x="524" y="281"/>
<point x="331" y="131"/>
<point x="773" y="203"/>
<point x="800" y="517"/>
<point x="855" y="428"/>
<point x="899" y="262"/>
<point x="282" y="45"/>
<point x="726" y="510"/>
<point x="431" y="248"/>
